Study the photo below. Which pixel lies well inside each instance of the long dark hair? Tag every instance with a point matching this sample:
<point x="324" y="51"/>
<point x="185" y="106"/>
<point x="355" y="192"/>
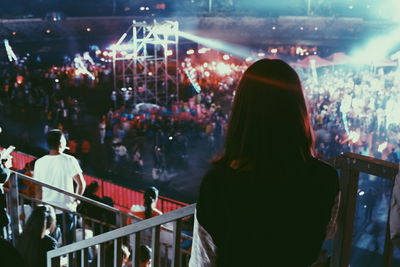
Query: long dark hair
<point x="28" y="245"/>
<point x="269" y="121"/>
<point x="150" y="195"/>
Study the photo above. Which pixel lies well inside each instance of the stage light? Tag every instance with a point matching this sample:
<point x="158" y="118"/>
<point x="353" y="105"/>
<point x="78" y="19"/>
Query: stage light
<point x="226" y="57"/>
<point x="273" y="28"/>
<point x="301" y="28"/>
<point x="261" y="54"/>
<point x="315" y="28"/>
<point x="48" y="31"/>
<point x="88" y="29"/>
<point x="235" y="50"/>
<point x="377" y="48"/>
<point x="169" y="53"/>
<point x="248" y="59"/>
<point x="14" y="33"/>
<point x="190" y="52"/>
<point x="274" y="50"/>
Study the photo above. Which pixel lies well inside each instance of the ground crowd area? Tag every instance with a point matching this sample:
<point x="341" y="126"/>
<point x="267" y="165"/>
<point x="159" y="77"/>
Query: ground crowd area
<point x="352" y="110"/>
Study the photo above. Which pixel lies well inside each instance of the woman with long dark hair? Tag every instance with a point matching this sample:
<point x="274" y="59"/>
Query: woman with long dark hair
<point x="35" y="240"/>
<point x="266" y="200"/>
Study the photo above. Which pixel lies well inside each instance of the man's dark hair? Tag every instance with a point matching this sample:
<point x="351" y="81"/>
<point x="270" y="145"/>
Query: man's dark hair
<point x="54" y="138"/>
<point x="145" y="253"/>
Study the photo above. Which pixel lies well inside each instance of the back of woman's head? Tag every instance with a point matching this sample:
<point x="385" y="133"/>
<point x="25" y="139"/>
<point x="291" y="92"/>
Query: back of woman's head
<point x="150" y="197"/>
<point x="269" y="118"/>
<point x="42" y="218"/>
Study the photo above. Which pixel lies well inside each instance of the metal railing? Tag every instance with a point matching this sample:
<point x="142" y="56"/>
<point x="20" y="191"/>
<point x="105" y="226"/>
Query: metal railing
<point x="77" y="253"/>
<point x="18" y="203"/>
<point x="350" y="167"/>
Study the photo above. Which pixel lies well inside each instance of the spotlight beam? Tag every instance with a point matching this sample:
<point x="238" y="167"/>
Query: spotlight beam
<point x="236" y="50"/>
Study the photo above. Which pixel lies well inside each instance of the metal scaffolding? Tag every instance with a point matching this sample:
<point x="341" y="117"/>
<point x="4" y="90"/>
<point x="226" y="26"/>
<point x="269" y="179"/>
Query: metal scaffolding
<point x="146" y="65"/>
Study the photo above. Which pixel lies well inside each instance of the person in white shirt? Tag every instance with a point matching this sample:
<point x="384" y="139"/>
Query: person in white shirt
<point x="60" y="170"/>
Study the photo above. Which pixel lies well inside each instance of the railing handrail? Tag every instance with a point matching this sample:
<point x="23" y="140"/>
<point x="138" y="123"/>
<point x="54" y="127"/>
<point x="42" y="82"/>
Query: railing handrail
<point x="80" y="197"/>
<point x="378" y="167"/>
<point x="123" y="231"/>
<point x="68" y="211"/>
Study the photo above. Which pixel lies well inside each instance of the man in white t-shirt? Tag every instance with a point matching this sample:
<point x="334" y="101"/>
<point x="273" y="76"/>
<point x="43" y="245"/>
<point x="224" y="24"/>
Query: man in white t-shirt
<point x="60" y="170"/>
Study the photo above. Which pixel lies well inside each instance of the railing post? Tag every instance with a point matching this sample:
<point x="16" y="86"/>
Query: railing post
<point x="135" y="245"/>
<point x="348" y="182"/>
<point x="155" y="246"/>
<point x="117" y="252"/>
<point x="13" y="207"/>
<point x="388" y="248"/>
<point x="176" y="248"/>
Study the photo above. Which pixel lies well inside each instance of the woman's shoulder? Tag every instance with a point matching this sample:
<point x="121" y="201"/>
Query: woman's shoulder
<point x="322" y="167"/>
<point x="217" y="174"/>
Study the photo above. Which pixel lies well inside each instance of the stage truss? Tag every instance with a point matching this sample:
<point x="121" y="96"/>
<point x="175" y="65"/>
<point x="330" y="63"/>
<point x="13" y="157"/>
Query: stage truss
<point x="146" y="66"/>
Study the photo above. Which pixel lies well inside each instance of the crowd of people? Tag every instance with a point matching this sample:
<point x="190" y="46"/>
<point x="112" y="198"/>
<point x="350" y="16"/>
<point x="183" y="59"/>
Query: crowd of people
<point x="344" y="115"/>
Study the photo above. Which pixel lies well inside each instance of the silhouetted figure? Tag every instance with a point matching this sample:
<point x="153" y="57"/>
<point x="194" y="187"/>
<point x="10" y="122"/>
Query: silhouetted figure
<point x="269" y="175"/>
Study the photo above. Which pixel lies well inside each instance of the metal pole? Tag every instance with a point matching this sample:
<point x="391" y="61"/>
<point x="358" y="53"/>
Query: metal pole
<point x="210" y="6"/>
<point x="309" y="8"/>
<point x="13" y="207"/>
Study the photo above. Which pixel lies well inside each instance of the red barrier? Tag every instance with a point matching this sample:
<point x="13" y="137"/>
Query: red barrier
<point x="123" y="198"/>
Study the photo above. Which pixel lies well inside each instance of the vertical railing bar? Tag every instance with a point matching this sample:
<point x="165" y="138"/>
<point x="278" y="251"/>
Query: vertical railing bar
<point x="13" y="208"/>
<point x="155" y="246"/>
<point x="117" y="253"/>
<point x="71" y="261"/>
<point x="348" y="182"/>
<point x="64" y="228"/>
<point x="388" y="247"/>
<point x="23" y="212"/>
<point x="84" y="229"/>
<point x="135" y="245"/>
<point x="101" y="228"/>
<point x="101" y="257"/>
<point x="54" y="262"/>
<point x="85" y="257"/>
<point x="176" y="243"/>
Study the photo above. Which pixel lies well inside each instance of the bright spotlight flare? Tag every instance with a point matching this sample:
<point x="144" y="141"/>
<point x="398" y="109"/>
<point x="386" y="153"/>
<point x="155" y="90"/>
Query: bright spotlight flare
<point x="236" y="50"/>
<point x="378" y="48"/>
<point x="10" y="53"/>
<point x="81" y="68"/>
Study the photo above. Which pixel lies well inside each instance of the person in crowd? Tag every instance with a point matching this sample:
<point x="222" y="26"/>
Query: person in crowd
<point x="145" y="256"/>
<point x="5" y="165"/>
<point x="60" y="170"/>
<point x="275" y="169"/>
<point x="148" y="209"/>
<point x="90" y="210"/>
<point x="35" y="240"/>
<point x="9" y="255"/>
